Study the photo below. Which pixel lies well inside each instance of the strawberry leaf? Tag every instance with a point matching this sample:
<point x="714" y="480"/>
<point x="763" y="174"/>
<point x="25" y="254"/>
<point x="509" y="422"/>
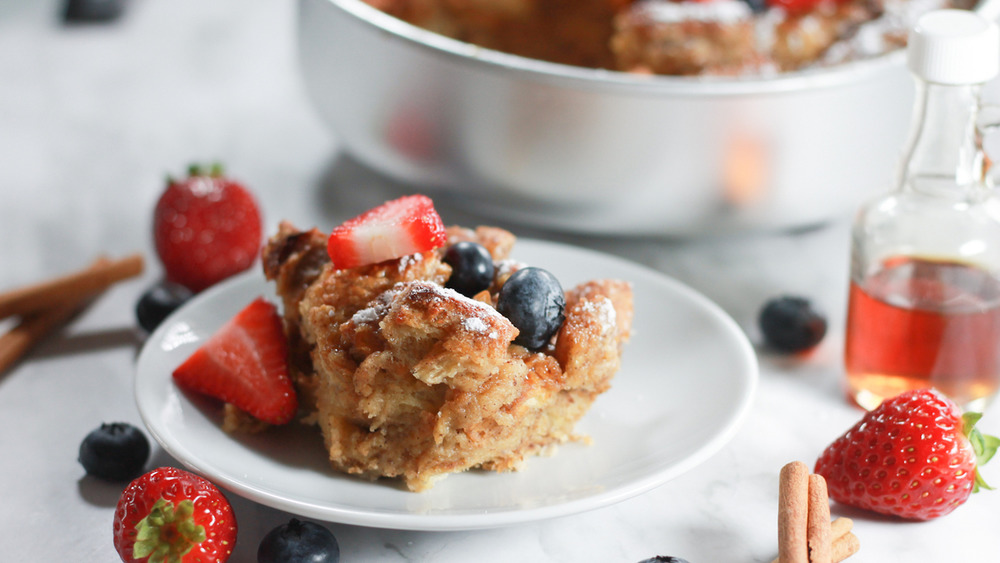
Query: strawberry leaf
<point x="984" y="446"/>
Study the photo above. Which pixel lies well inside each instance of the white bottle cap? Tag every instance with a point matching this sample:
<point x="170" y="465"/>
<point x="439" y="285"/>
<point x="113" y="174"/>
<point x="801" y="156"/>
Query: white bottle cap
<point x="954" y="47"/>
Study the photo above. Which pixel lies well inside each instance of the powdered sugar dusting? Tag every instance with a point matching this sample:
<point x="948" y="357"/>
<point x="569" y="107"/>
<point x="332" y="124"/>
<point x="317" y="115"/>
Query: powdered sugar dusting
<point x="406" y="261"/>
<point x="476" y="324"/>
<point x="449" y="293"/>
<point x="368" y="315"/>
<point x="604" y="310"/>
<point x="507" y="267"/>
<point x="376" y="310"/>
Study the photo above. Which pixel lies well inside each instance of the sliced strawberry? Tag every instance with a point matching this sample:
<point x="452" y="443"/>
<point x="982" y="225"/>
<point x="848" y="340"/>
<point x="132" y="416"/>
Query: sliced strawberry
<point x="206" y="227"/>
<point x="245" y="363"/>
<point x="173" y="515"/>
<point x="394" y="229"/>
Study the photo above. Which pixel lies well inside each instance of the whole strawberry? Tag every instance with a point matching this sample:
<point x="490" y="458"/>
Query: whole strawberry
<point x="915" y="456"/>
<point x="171" y="515"/>
<point x="206" y="227"/>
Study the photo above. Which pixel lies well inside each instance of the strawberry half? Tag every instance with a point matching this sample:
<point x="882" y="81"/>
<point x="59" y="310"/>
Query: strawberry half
<point x="206" y="227"/>
<point x="915" y="456"/>
<point x="394" y="229"/>
<point x="245" y="363"/>
<point x="171" y="515"/>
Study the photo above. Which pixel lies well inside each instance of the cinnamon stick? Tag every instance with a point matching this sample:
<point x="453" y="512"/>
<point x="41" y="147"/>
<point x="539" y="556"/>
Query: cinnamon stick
<point x="841" y="546"/>
<point x="47" y="305"/>
<point x="71" y="288"/>
<point x="818" y="528"/>
<point x="840" y="526"/>
<point x="793" y="501"/>
<point x="845" y="546"/>
<point x="16" y="342"/>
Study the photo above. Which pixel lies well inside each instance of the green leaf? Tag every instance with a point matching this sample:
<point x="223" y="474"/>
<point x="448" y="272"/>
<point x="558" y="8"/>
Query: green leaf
<point x="969" y="421"/>
<point x="980" y="483"/>
<point x="983" y="445"/>
<point x="168" y="532"/>
<point x="990" y="444"/>
<point x="148" y="529"/>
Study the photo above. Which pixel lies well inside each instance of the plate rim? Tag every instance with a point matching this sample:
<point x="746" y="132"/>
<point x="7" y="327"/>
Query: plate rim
<point x="471" y="520"/>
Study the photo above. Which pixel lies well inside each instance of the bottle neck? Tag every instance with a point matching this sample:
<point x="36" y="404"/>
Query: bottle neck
<point x="944" y="155"/>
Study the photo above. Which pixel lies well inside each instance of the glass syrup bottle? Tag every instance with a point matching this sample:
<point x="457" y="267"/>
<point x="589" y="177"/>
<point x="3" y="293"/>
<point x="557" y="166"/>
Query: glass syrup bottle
<point x="924" y="302"/>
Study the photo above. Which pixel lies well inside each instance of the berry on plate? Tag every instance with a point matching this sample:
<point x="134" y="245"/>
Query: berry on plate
<point x="471" y="267"/>
<point x="245" y="363"/>
<point x="115" y="451"/>
<point x="394" y="229"/>
<point x="915" y="456"/>
<point x="299" y="542"/>
<point x="171" y="515"/>
<point x="791" y="324"/>
<point x="206" y="227"/>
<point x="534" y="302"/>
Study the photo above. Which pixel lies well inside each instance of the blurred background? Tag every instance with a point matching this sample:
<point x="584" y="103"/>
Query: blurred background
<point x="94" y="116"/>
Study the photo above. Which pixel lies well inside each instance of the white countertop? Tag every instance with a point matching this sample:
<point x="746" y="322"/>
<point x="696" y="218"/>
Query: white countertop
<point x="91" y="120"/>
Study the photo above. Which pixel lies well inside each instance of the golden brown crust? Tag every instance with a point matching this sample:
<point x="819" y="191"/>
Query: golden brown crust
<point x="687" y="47"/>
<point x="598" y="322"/>
<point x="497" y="241"/>
<point x="293" y="260"/>
<point x="572" y="32"/>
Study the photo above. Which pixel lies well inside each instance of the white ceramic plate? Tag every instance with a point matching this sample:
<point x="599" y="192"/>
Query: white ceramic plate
<point x="687" y="380"/>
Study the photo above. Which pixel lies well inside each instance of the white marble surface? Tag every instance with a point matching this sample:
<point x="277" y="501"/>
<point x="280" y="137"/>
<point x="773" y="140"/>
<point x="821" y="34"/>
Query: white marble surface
<point x="92" y="118"/>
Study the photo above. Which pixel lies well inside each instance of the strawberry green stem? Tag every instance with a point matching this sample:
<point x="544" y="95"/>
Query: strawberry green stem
<point x="214" y="170"/>
<point x="984" y="446"/>
<point x="167" y="533"/>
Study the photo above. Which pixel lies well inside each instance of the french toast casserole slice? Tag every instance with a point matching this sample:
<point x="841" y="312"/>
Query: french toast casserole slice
<point x="406" y="378"/>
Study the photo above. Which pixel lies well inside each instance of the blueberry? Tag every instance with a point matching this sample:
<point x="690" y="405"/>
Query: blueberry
<point x="790" y="324"/>
<point x="533" y="301"/>
<point x="158" y="302"/>
<point x="299" y="542"/>
<point x="664" y="559"/>
<point x="114" y="452"/>
<point x="757" y="6"/>
<point x="471" y="267"/>
<point x="78" y="11"/>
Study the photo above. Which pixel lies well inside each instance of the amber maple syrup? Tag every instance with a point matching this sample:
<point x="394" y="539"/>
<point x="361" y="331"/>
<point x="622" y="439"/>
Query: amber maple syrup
<point x="919" y="323"/>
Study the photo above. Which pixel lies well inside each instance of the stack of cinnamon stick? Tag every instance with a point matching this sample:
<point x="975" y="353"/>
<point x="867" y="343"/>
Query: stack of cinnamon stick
<point x="805" y="532"/>
<point x="45" y="306"/>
